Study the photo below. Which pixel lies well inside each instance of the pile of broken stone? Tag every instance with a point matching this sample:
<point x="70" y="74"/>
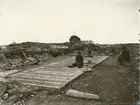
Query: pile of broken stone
<point x="14" y="93"/>
<point x="19" y="62"/>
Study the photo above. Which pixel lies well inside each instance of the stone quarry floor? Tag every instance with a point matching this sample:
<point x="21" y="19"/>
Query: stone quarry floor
<point x="105" y="81"/>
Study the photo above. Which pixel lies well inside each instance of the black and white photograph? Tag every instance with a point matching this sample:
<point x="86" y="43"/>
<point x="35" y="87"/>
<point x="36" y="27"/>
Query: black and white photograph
<point x="69" y="52"/>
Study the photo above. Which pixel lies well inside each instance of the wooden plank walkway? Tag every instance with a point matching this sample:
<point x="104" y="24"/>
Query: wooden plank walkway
<point x="55" y="75"/>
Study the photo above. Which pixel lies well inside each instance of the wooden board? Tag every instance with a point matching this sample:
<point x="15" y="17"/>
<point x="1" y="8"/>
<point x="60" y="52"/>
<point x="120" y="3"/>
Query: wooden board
<point x="55" y="75"/>
<point x="95" y="59"/>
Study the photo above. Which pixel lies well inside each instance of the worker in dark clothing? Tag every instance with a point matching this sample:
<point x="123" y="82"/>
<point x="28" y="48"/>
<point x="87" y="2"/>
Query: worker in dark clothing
<point x="78" y="61"/>
<point x="124" y="57"/>
<point x="125" y="54"/>
<point x="89" y="53"/>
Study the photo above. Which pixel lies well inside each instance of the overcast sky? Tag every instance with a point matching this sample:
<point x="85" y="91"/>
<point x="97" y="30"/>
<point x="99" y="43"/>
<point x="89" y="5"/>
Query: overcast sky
<point x="103" y="21"/>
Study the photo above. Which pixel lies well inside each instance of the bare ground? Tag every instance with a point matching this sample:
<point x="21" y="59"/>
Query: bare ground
<point x="106" y="80"/>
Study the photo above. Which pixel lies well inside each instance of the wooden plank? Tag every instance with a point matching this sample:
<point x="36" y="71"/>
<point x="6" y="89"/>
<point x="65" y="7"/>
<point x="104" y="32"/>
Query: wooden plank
<point x="43" y="86"/>
<point x="63" y="64"/>
<point x="41" y="77"/>
<point x="38" y="82"/>
<point x="48" y="87"/>
<point x="51" y="80"/>
<point x="40" y="73"/>
<point x="60" y="62"/>
<point x="99" y="59"/>
<point x="65" y="70"/>
<point x="70" y="79"/>
<point x="96" y="60"/>
<point x="73" y="77"/>
<point x="53" y="73"/>
<point x="47" y="72"/>
<point x="61" y="69"/>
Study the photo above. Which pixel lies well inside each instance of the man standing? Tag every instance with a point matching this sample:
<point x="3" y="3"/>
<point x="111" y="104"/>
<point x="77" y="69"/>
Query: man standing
<point x="78" y="61"/>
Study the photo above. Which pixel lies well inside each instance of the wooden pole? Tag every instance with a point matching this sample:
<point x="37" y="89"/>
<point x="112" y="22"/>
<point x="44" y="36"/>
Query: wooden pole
<point x="24" y="55"/>
<point x="5" y="58"/>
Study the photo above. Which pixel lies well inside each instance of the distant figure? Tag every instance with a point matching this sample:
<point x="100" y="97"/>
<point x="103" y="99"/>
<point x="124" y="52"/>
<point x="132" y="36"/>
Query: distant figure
<point x="35" y="56"/>
<point x="124" y="57"/>
<point x="78" y="61"/>
<point x="90" y="53"/>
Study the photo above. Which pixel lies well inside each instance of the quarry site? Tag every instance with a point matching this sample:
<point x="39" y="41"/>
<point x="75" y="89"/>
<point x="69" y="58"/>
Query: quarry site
<point x="33" y="73"/>
<point x="69" y="52"/>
